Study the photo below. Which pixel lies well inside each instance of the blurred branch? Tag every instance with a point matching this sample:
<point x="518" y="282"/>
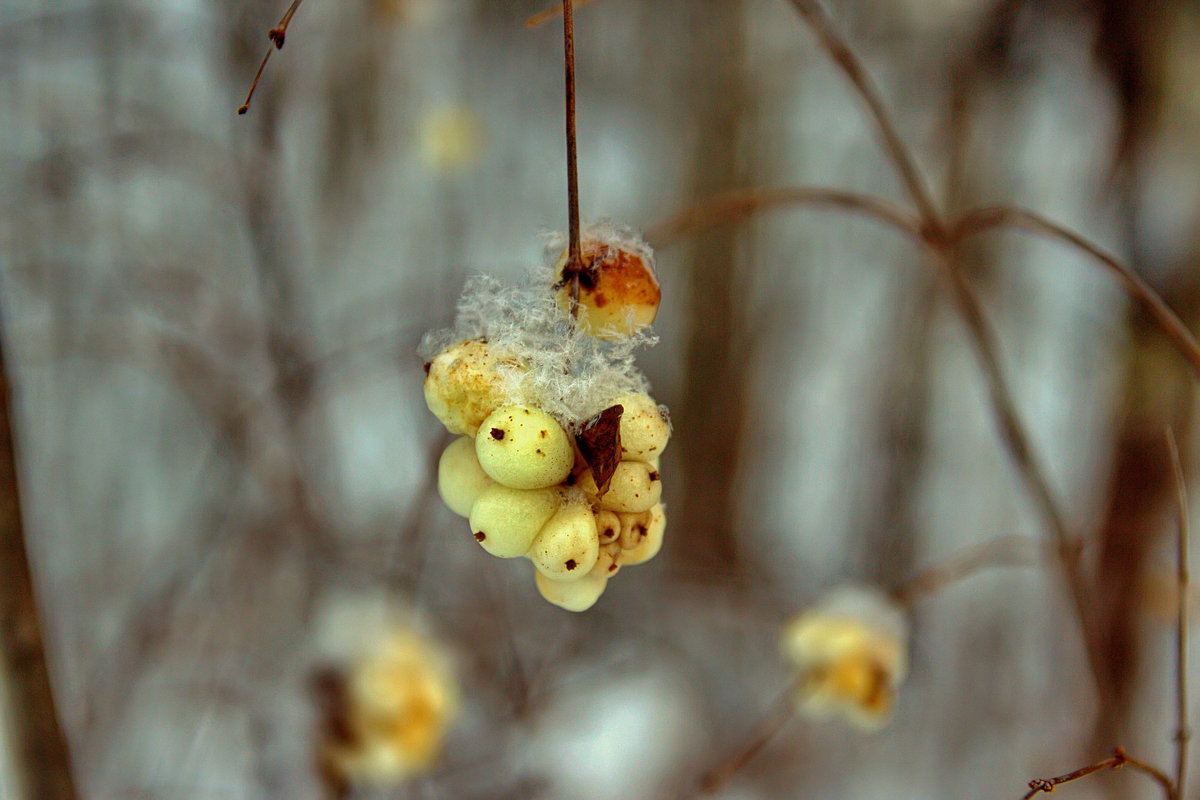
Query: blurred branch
<point x="772" y="722"/>
<point x="42" y="757"/>
<point x="979" y="220"/>
<point x="999" y="552"/>
<point x="1118" y="760"/>
<point x="277" y="35"/>
<point x="734" y="206"/>
<point x="845" y="59"/>
<point x="1182" y="731"/>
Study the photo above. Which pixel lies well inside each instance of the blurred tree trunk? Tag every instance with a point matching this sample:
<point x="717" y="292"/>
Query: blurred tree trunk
<point x="712" y="414"/>
<point x="41" y="756"/>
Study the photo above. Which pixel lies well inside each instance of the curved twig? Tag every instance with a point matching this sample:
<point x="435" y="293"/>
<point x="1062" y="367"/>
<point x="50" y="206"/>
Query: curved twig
<point x="980" y="220"/>
<point x="737" y="205"/>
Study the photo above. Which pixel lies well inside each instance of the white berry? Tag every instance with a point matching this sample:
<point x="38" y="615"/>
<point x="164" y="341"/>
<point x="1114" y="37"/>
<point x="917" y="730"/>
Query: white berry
<point x="524" y="447"/>
<point x="505" y="521"/>
<point x="466" y="382"/>
<point x="635" y="486"/>
<point x="649" y="538"/>
<point x="460" y="478"/>
<point x="566" y="548"/>
<point x="644" y="428"/>
<point x="577" y="595"/>
<point x="608" y="526"/>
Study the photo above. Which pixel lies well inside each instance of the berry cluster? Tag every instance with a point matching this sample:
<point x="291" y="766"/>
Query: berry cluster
<point x="558" y="455"/>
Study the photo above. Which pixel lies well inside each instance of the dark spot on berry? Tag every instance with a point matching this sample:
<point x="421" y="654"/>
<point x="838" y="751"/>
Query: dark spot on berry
<point x="539" y="452"/>
<point x="609" y="533"/>
<point x="542" y="434"/>
<point x="653" y="476"/>
<point x="428" y="364"/>
<point x="497" y="433"/>
<point x="570" y="565"/>
<point x="479" y="537"/>
<point x="526" y="410"/>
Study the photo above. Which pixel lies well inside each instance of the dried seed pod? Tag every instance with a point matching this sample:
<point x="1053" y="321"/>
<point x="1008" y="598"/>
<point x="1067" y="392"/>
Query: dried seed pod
<point x="577" y="595"/>
<point x="505" y="521"/>
<point x="524" y="447"/>
<point x="460" y="478"/>
<point x="645" y="430"/>
<point x="635" y="486"/>
<point x="608" y="526"/>
<point x="566" y="548"/>
<point x="618" y="290"/>
<point x="465" y="382"/>
<point x="651" y="539"/>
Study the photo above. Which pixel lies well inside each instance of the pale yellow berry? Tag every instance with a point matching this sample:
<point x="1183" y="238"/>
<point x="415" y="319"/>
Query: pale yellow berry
<point x="609" y="561"/>
<point x="566" y="548"/>
<point x="523" y="447"/>
<point x="644" y="428"/>
<point x="633" y="528"/>
<point x="466" y="382"/>
<point x="505" y="521"/>
<point x="649" y="538"/>
<point x="608" y="526"/>
<point x="618" y="290"/>
<point x="577" y="595"/>
<point x="635" y="486"/>
<point x="460" y="478"/>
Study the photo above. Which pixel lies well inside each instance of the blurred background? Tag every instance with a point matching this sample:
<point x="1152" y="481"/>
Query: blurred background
<point x="227" y="464"/>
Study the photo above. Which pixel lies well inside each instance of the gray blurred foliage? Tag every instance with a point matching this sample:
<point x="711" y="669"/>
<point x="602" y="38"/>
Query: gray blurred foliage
<point x="211" y="322"/>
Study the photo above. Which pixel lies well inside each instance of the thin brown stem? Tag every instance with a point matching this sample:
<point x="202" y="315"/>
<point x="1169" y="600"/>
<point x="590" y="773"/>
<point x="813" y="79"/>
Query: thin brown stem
<point x="983" y="219"/>
<point x="999" y="552"/>
<point x="935" y="234"/>
<point x="574" y="255"/>
<point x="893" y="145"/>
<point x="42" y="759"/>
<point x="545" y="15"/>
<point x="737" y="205"/>
<point x="1182" y="730"/>
<point x="277" y="35"/>
<point x="1017" y="443"/>
<point x="772" y="722"/>
<point x="1119" y="760"/>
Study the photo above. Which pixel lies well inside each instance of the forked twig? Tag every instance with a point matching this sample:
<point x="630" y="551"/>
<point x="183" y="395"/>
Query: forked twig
<point x="934" y="232"/>
<point x="848" y="63"/>
<point x="1119" y="760"/>
<point x="1182" y="730"/>
<point x="979" y="220"/>
<point x="277" y="35"/>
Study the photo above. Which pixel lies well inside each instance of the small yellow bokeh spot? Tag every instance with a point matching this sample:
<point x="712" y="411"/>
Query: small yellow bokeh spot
<point x="452" y="138"/>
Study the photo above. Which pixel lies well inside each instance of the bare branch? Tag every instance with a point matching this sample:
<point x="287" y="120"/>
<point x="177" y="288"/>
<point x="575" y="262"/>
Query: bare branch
<point x="740" y="204"/>
<point x="1182" y="731"/>
<point x="980" y="220"/>
<point x="1118" y="760"/>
